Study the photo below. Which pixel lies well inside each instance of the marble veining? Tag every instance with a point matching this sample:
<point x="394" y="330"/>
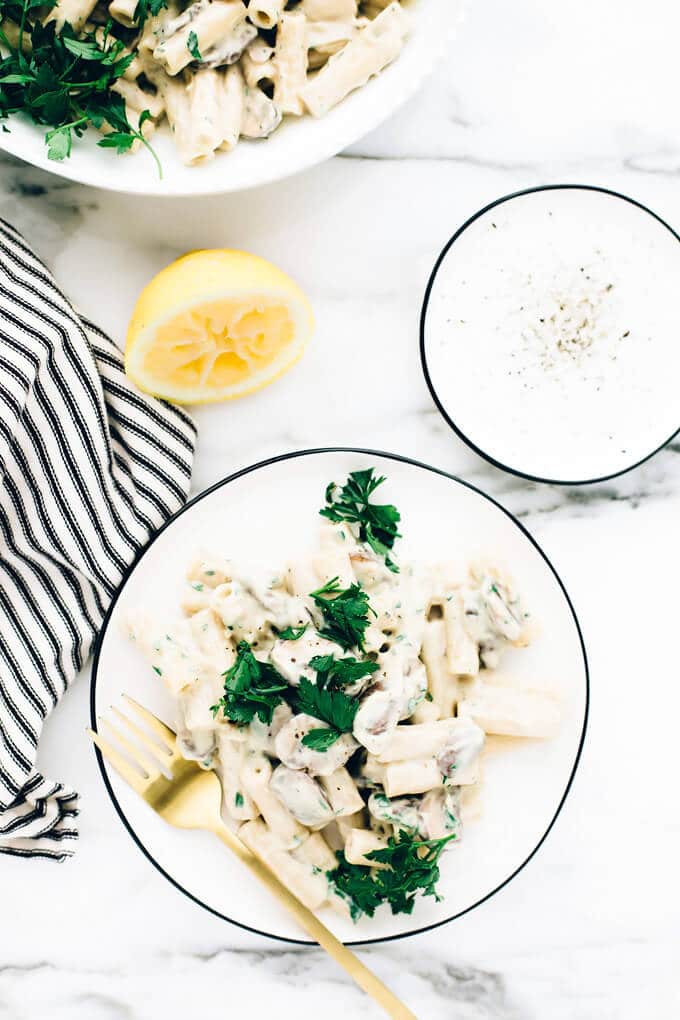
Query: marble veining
<point x="530" y="93"/>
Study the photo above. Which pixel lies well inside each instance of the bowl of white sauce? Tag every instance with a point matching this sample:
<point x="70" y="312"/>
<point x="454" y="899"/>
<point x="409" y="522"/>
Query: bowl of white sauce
<point x="550" y="333"/>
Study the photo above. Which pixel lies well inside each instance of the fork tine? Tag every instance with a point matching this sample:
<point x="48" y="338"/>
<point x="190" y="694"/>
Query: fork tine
<point x="168" y="736"/>
<point x="151" y="768"/>
<point x="162" y="754"/>
<point x="120" y="764"/>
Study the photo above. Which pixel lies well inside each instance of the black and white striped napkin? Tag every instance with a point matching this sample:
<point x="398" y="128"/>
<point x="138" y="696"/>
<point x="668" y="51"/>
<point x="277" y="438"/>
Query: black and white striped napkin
<point x="89" y="469"/>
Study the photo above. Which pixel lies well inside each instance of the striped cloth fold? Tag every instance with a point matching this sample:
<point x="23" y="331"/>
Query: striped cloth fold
<point x="89" y="469"/>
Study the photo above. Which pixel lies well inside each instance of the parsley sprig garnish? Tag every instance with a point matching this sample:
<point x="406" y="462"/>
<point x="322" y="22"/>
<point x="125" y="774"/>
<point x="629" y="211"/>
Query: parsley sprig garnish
<point x="331" y="706"/>
<point x="338" y="673"/>
<point x="64" y="81"/>
<point x="413" y="868"/>
<point x="251" y="688"/>
<point x="345" y="612"/>
<point x="377" y="522"/>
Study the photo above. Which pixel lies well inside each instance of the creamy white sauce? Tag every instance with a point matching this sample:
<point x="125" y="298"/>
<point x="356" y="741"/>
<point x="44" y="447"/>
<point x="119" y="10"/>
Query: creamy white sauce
<point x="551" y="334"/>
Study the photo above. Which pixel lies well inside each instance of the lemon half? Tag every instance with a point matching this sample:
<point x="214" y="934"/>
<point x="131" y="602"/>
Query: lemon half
<point x="214" y="325"/>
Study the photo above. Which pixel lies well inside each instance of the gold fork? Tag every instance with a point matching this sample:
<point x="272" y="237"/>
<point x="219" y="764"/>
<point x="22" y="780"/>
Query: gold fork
<point x="191" y="799"/>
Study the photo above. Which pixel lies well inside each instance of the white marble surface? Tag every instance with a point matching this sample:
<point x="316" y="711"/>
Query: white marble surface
<point x="532" y="93"/>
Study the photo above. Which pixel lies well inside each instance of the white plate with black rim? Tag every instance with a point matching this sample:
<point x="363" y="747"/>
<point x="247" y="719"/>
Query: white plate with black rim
<point x="268" y="513"/>
<point x="549" y="333"/>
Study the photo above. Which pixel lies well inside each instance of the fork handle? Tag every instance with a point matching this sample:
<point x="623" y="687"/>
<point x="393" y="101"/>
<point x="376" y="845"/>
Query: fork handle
<point x="359" y="973"/>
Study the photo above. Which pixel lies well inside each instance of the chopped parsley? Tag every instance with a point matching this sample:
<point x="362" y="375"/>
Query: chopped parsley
<point x="292" y="633"/>
<point x="345" y="612"/>
<point x="337" y="673"/>
<point x="251" y="688"/>
<point x="157" y="670"/>
<point x="64" y="81"/>
<point x="192" y="46"/>
<point x="332" y="707"/>
<point x="377" y="522"/>
<point x="238" y="799"/>
<point x="413" y="868"/>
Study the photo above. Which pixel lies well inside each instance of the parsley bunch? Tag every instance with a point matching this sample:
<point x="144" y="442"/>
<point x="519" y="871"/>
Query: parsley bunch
<point x="377" y="522"/>
<point x="331" y="706"/>
<point x="345" y="612"/>
<point x="64" y="81"/>
<point x="251" y="688"/>
<point x="413" y="868"/>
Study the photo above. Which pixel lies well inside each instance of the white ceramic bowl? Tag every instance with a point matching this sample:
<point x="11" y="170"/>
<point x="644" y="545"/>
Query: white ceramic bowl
<point x="267" y="514"/>
<point x="296" y="145"/>
<point x="549" y="333"/>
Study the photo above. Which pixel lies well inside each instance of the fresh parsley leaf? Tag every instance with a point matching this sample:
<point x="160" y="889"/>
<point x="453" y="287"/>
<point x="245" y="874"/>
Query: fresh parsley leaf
<point x="321" y="739"/>
<point x="413" y="868"/>
<point x="377" y="522"/>
<point x="251" y="688"/>
<point x="345" y="612"/>
<point x="192" y="46"/>
<point x="59" y="143"/>
<point x="292" y="633"/>
<point x="117" y="140"/>
<point x="337" y="673"/>
<point x="332" y="707"/>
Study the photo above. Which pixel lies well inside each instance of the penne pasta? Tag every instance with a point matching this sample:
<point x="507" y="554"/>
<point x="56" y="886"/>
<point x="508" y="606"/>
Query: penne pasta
<point x="299" y="876"/>
<point x="372" y="49"/>
<point x="265" y="13"/>
<point x="290" y="61"/>
<point x="256" y="773"/>
<point x="512" y="713"/>
<point x="342" y="793"/>
<point x="201" y="26"/>
<point x="361" y="842"/>
<point x="329" y="10"/>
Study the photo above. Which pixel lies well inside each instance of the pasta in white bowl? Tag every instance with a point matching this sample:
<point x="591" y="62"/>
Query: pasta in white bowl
<point x="363" y="708"/>
<point x="219" y="77"/>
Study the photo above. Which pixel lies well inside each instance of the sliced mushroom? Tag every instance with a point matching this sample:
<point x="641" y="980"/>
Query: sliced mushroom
<point x="260" y="115"/>
<point x="402" y="812"/>
<point x="461" y="749"/>
<point x="440" y="814"/>
<point x="302" y="795"/>
<point x="228" y="50"/>
<point x="377" y="716"/>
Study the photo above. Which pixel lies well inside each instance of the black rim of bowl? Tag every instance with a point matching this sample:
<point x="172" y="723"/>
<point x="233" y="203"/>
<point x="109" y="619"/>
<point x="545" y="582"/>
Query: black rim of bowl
<point x="423" y="315"/>
<point x="221" y="484"/>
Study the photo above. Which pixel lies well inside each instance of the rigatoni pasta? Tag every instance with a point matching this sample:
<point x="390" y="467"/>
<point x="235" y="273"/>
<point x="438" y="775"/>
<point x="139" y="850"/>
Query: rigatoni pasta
<point x="306" y="690"/>
<point x="224" y="70"/>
